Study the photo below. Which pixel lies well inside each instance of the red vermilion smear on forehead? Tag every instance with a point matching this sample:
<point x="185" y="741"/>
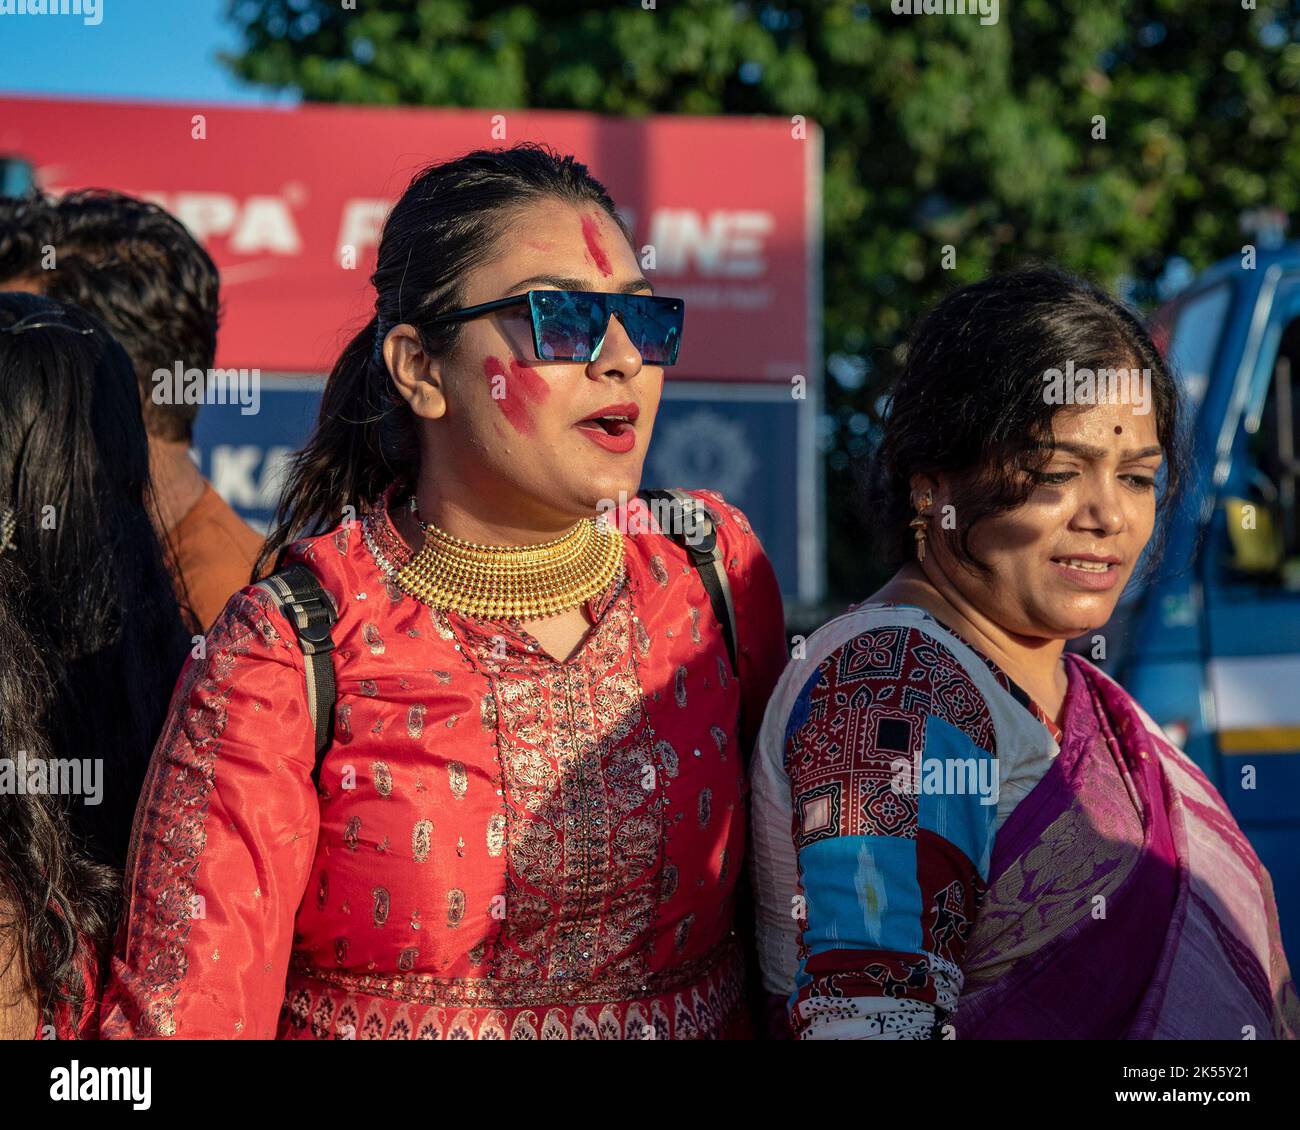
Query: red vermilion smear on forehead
<point x="591" y="233"/>
<point x="521" y="386"/>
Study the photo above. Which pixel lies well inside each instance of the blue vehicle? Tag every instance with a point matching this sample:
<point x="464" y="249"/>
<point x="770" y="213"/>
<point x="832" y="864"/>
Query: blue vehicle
<point x="1210" y="645"/>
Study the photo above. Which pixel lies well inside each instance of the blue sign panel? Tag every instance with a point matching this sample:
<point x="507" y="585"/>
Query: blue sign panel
<point x="244" y="455"/>
<point x="744" y="444"/>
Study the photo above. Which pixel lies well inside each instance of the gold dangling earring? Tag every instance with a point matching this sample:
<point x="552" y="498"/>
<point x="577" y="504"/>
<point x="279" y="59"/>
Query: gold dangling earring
<point x="919" y="525"/>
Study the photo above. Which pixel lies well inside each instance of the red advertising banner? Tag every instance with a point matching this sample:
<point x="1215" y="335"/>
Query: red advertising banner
<point x="290" y="202"/>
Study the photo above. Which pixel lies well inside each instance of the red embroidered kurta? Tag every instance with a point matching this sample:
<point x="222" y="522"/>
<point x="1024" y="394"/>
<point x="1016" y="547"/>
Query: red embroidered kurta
<point x="503" y="847"/>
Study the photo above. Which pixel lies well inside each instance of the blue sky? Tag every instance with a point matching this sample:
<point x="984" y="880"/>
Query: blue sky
<point x="149" y="49"/>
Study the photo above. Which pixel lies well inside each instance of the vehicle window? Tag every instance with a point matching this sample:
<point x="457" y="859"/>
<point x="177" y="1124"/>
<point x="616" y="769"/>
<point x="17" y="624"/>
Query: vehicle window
<point x="1194" y="341"/>
<point x="1266" y="540"/>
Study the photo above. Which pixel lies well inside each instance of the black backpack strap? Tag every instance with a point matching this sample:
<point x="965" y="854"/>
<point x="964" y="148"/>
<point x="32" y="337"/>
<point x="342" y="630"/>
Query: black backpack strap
<point x="307" y="607"/>
<point x="689" y="515"/>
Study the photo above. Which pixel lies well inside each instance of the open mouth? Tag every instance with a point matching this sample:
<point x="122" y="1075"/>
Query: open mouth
<point x="613" y="419"/>
<point x="610" y="425"/>
<point x="1093" y="572"/>
<point x="1086" y="565"/>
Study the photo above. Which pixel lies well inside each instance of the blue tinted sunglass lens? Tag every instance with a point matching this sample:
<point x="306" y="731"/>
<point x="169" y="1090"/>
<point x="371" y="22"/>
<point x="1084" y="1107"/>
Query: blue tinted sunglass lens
<point x="653" y="324"/>
<point x="570" y="325"/>
<point x="566" y="324"/>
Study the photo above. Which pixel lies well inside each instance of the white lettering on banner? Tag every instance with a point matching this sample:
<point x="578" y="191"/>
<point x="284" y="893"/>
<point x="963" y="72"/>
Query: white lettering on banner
<point x="265" y="225"/>
<point x="714" y="245"/>
<point x="234" y="474"/>
<point x="262" y="224"/>
<point x="363" y="220"/>
<point x="205" y="213"/>
<point x="725" y="245"/>
<point x="721" y="245"/>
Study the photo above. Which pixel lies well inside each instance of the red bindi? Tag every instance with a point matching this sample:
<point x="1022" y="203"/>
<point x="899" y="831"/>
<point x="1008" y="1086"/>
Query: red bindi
<point x="591" y="234"/>
<point x="1118" y="430"/>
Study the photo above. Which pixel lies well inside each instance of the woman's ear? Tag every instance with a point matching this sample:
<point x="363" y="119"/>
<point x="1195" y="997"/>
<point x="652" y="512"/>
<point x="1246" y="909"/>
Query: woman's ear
<point x="923" y="485"/>
<point x="417" y="377"/>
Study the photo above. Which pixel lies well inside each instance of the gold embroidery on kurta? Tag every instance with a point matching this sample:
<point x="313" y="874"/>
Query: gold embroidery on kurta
<point x="421" y="839"/>
<point x="496" y="834"/>
<point x="582" y="834"/>
<point x="455" y="907"/>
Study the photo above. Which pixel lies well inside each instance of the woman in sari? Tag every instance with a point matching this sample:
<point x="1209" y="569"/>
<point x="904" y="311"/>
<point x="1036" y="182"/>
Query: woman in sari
<point x="961" y="830"/>
<point x="531" y="818"/>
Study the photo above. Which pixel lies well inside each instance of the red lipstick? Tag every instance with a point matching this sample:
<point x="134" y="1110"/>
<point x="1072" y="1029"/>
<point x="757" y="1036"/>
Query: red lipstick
<point x="612" y="427"/>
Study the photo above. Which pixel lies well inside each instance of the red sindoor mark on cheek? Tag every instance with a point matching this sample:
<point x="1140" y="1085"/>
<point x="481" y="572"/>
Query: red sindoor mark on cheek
<point x="521" y="386"/>
<point x="529" y="382"/>
<point x="591" y="234"/>
<point x="511" y="404"/>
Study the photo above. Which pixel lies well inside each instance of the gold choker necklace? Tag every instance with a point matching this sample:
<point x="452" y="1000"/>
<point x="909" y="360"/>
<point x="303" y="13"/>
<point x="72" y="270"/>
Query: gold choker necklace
<point x="502" y="582"/>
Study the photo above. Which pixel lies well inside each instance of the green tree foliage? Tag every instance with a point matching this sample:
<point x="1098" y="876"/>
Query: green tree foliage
<point x="940" y="131"/>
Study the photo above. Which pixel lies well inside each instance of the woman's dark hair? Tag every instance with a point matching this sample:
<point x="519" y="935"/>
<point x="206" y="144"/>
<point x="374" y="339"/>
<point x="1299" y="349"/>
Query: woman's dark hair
<point x="89" y="583"/>
<point x="54" y="902"/>
<point x="450" y="220"/>
<point x="970" y="400"/>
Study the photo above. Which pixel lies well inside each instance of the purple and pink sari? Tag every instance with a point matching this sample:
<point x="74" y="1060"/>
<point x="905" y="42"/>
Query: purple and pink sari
<point x="1123" y="901"/>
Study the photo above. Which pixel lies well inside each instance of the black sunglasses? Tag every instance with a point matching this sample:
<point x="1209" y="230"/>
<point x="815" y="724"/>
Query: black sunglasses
<point x="570" y="325"/>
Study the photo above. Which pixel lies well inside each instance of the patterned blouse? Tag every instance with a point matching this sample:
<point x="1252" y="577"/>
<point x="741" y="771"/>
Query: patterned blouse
<point x="504" y="846"/>
<point x="890" y="755"/>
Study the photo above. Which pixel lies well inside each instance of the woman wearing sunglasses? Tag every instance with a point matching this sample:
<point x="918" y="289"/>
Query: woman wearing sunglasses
<point x="530" y="814"/>
<point x="982" y="836"/>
